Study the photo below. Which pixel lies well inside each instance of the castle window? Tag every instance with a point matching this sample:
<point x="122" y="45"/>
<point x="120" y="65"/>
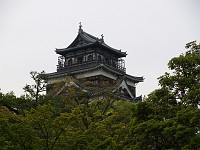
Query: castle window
<point x="90" y="57"/>
<point x="80" y="60"/>
<point x="70" y="62"/>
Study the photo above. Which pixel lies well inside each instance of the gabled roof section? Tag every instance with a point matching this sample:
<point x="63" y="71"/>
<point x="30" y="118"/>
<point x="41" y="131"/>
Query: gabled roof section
<point x="86" y="40"/>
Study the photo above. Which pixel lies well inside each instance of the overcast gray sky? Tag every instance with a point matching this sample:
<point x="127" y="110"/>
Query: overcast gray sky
<point x="151" y="31"/>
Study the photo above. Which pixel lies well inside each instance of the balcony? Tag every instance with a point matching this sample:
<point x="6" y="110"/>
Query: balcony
<point x="79" y="64"/>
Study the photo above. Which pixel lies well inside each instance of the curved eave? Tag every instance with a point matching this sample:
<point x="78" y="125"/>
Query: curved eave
<point x="59" y="74"/>
<point x="134" y="78"/>
<point x="95" y="44"/>
<point x="67" y="50"/>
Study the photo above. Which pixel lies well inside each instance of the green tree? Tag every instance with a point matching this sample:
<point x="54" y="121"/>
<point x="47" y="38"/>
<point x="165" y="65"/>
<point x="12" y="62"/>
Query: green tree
<point x="184" y="82"/>
<point x="15" y="133"/>
<point x="34" y="90"/>
<point x="170" y="117"/>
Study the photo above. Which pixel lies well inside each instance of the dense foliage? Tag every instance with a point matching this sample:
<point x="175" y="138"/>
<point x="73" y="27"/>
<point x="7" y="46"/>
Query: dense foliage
<point x="168" y="119"/>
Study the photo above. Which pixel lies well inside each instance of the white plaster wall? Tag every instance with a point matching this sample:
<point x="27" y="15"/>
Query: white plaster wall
<point x="94" y="73"/>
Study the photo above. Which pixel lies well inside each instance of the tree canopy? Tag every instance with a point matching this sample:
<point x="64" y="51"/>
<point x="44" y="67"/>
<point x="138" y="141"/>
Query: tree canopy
<point x="169" y="118"/>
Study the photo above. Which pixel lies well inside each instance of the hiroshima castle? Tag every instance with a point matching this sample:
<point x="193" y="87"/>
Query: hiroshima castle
<point x="91" y="65"/>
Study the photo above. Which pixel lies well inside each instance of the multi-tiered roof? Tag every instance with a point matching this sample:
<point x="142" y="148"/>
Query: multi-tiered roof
<point x="89" y="58"/>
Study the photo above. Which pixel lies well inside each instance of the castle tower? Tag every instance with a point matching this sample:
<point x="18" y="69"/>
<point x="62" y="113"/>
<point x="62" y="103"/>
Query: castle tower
<point x="90" y="59"/>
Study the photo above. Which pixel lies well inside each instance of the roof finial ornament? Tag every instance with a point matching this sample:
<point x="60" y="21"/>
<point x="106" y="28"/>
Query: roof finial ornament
<point x="102" y="36"/>
<point x="80" y="27"/>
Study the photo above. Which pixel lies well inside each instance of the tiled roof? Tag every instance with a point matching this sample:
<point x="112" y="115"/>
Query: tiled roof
<point x="89" y="40"/>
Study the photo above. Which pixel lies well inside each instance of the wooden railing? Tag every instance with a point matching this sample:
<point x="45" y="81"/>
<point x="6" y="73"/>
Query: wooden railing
<point x="86" y="64"/>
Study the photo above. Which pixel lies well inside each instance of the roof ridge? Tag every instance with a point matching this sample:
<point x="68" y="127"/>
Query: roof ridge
<point x="90" y="35"/>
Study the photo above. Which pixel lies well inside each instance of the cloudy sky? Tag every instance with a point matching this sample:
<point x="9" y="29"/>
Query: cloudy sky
<point x="151" y="31"/>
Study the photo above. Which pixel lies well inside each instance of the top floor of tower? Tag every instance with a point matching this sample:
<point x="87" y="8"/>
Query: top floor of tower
<point x="88" y="51"/>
